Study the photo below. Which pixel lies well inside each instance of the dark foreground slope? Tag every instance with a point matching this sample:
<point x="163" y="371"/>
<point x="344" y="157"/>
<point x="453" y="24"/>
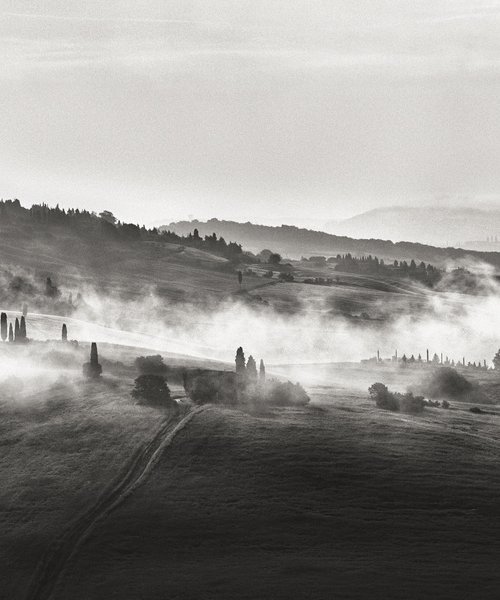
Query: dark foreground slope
<point x="333" y="501"/>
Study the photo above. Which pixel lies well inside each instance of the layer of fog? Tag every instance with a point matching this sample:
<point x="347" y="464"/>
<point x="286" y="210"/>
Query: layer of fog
<point x="452" y="323"/>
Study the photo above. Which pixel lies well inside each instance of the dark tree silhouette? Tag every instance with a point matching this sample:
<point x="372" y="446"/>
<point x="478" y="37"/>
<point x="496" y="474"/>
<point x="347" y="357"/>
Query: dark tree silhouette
<point x="274" y="259"/>
<point x="92" y="369"/>
<point x="152" y="389"/>
<point x="11" y="333"/>
<point x="151" y="365"/>
<point x="496" y="361"/>
<point x="22" y="329"/>
<point x="240" y="277"/>
<point x="16" y="330"/>
<point x="64" y="333"/>
<point x="240" y="362"/>
<point x="251" y="369"/>
<point x="3" y="326"/>
<point x="262" y="371"/>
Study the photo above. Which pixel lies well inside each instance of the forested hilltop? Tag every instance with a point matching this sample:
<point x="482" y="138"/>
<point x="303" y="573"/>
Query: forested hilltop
<point x="77" y="248"/>
<point x="294" y="242"/>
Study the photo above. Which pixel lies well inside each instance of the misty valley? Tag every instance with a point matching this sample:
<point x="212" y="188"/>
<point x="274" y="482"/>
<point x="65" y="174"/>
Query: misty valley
<point x="182" y="417"/>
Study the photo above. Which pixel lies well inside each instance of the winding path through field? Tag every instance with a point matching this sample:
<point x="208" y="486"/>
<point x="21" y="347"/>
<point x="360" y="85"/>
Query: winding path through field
<point x="53" y="564"/>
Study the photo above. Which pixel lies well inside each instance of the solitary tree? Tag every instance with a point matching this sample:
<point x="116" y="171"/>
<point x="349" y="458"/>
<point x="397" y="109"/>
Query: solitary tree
<point x="274" y="259"/>
<point x="262" y="371"/>
<point x="11" y="333"/>
<point x="240" y="362"/>
<point x="3" y="327"/>
<point x="152" y="389"/>
<point x="251" y="369"/>
<point x="92" y="369"/>
<point x="64" y="333"/>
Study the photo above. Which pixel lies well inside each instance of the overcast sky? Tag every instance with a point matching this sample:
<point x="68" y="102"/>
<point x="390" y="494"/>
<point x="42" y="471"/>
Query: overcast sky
<point x="295" y="111"/>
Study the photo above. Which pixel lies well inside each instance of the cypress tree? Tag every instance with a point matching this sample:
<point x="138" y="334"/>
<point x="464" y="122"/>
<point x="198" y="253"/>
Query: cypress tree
<point x="3" y="328"/>
<point x="262" y="371"/>
<point x="64" y="333"/>
<point x="240" y="361"/>
<point x="16" y="330"/>
<point x="251" y="369"/>
<point x="22" y="329"/>
<point x="11" y="333"/>
<point x="92" y="369"/>
<point x="94" y="358"/>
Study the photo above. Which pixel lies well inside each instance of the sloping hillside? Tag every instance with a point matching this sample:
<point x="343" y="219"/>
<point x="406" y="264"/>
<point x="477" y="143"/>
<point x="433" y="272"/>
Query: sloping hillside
<point x="295" y="242"/>
<point x="74" y="251"/>
<point x="440" y="226"/>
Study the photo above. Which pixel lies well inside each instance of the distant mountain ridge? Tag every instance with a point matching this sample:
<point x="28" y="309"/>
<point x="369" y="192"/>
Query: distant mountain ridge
<point x="437" y="226"/>
<point x="293" y="242"/>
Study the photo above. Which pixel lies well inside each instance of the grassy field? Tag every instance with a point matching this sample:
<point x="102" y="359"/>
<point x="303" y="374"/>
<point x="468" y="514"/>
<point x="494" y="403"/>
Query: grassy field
<point x="335" y="500"/>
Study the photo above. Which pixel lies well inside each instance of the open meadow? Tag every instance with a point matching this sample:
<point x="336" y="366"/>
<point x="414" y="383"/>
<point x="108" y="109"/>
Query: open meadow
<point x="338" y="499"/>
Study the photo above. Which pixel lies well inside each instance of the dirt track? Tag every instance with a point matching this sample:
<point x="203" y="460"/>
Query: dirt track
<point x="54" y="562"/>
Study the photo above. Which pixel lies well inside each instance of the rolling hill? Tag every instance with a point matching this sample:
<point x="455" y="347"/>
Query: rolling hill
<point x="294" y="242"/>
<point x="439" y="226"/>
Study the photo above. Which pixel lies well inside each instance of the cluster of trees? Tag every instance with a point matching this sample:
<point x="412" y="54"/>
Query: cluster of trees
<point x="253" y="386"/>
<point x="427" y="274"/>
<point x="13" y="334"/>
<point x="246" y="371"/>
<point x="105" y="225"/>
<point x="436" y="360"/>
<point x="151" y="386"/>
<point x="407" y="403"/>
<point x="210" y="243"/>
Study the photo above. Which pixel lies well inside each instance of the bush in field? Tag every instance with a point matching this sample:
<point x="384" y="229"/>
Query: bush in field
<point x="286" y="394"/>
<point x="215" y="387"/>
<point x="407" y="403"/>
<point x="153" y="389"/>
<point x="446" y="383"/>
<point x="150" y="365"/>
<point x="383" y="397"/>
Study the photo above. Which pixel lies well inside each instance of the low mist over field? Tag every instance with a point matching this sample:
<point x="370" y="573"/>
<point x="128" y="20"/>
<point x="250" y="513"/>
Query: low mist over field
<point x="453" y="323"/>
<point x="250" y="300"/>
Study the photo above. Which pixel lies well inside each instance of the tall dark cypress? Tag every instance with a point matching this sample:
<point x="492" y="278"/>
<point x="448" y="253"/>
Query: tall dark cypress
<point x="16" y="330"/>
<point x="22" y="329"/>
<point x="94" y="358"/>
<point x="64" y="333"/>
<point x="3" y="327"/>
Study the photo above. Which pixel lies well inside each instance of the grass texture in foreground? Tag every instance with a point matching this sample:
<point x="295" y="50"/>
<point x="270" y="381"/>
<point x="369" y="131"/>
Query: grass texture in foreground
<point x="336" y="500"/>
